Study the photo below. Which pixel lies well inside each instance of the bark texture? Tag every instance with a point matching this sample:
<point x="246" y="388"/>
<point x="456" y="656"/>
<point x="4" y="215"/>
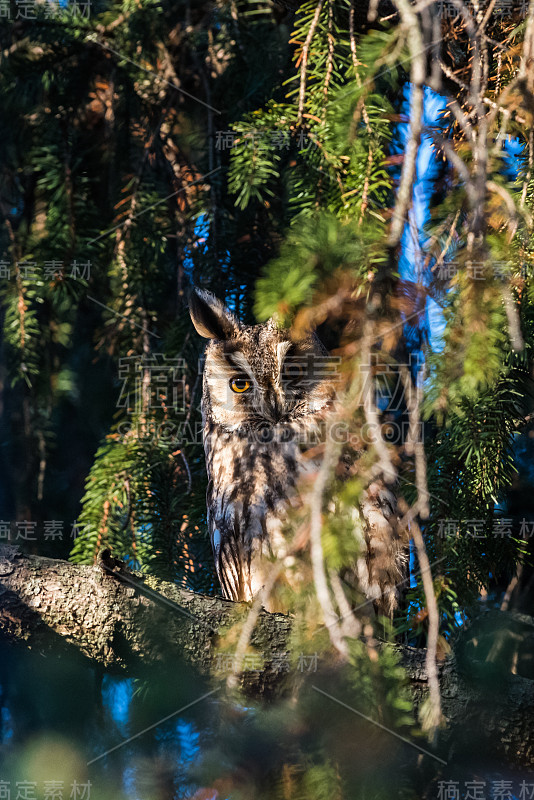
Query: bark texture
<point x="115" y="619"/>
<point x="123" y="620"/>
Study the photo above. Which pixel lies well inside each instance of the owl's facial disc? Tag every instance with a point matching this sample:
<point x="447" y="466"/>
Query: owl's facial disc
<point x="260" y="378"/>
<point x="256" y="375"/>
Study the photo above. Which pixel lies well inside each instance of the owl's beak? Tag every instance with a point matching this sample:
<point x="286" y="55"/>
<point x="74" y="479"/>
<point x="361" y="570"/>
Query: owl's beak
<point x="273" y="405"/>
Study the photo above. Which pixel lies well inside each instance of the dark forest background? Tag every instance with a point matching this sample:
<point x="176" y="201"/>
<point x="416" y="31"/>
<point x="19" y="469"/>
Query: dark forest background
<point x="256" y="149"/>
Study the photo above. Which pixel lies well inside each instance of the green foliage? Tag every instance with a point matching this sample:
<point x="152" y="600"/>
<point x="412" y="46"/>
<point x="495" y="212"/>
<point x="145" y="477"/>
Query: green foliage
<point x="136" y="496"/>
<point x="116" y="164"/>
<point x="330" y="154"/>
<point x="471" y="467"/>
<point x="315" y="252"/>
<point x="475" y="341"/>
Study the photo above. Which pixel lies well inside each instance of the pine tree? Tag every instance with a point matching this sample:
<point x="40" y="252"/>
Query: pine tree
<point x="254" y="152"/>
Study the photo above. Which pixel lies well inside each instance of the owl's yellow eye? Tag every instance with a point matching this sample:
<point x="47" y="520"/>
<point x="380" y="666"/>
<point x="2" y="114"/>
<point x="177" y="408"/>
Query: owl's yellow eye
<point x="239" y="385"/>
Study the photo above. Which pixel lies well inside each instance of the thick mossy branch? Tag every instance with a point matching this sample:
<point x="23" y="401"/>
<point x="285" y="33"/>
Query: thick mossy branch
<point x="122" y="620"/>
<point x="126" y="622"/>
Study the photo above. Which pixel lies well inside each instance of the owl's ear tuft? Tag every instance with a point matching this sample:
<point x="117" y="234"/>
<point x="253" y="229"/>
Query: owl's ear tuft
<point x="210" y="317"/>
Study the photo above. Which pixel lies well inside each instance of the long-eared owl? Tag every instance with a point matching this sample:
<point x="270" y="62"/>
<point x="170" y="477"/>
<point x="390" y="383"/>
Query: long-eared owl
<point x="264" y="397"/>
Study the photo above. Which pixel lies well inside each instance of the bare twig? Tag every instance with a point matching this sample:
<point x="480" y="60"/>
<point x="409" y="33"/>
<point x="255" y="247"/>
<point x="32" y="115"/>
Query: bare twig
<point x="304" y="61"/>
<point x="317" y="556"/>
<point x="514" y="324"/>
<point x="414" y="442"/>
<point x="356" y="62"/>
<point x="528" y="176"/>
<point x="450" y="237"/>
<point x="385" y="465"/>
<point x="411" y="25"/>
<point x="433" y="626"/>
<point x="330" y="57"/>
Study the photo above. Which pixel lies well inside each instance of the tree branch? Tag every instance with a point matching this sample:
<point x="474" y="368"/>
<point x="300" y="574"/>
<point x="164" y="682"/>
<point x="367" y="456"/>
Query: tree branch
<point x="124" y="621"/>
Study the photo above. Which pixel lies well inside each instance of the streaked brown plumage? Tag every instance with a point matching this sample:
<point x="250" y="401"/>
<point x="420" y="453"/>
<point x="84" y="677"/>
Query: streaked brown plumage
<point x="265" y="395"/>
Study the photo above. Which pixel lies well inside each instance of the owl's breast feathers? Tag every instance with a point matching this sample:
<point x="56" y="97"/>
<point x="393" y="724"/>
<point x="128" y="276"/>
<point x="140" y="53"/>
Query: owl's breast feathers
<point x="250" y="485"/>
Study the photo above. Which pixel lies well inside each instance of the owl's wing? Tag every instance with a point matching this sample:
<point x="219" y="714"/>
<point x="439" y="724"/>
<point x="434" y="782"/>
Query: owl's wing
<point x="227" y="561"/>
<point x="232" y="557"/>
<point x="385" y="569"/>
<point x="241" y="550"/>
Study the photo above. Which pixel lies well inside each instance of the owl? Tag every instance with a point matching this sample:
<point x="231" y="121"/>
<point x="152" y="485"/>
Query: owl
<point x="265" y="398"/>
